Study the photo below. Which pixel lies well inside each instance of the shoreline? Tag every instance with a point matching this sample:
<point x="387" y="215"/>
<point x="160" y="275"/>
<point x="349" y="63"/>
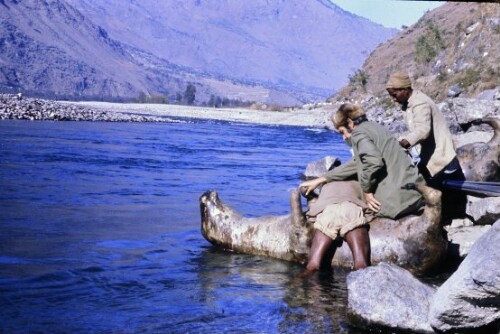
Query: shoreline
<point x="317" y="118"/>
<point x="17" y="107"/>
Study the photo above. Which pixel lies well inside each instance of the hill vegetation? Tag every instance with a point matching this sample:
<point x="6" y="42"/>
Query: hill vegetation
<point x="453" y="50"/>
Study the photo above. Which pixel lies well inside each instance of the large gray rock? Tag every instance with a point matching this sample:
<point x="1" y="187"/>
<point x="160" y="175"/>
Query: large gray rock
<point x="466" y="110"/>
<point x="463" y="238"/>
<point x="454" y="91"/>
<point x="320" y="167"/>
<point x="470" y="298"/>
<point x="484" y="211"/>
<point x="388" y="296"/>
<point x="488" y="94"/>
<point x="472" y="137"/>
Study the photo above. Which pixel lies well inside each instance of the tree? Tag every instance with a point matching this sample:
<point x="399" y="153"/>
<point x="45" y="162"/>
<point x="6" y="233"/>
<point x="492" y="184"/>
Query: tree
<point x="358" y="79"/>
<point x="429" y="44"/>
<point x="178" y="98"/>
<point x="141" y="98"/>
<point x="189" y="94"/>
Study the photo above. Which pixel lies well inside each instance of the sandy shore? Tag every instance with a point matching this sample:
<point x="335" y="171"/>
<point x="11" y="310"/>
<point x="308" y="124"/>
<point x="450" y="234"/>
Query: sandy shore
<point x="307" y="118"/>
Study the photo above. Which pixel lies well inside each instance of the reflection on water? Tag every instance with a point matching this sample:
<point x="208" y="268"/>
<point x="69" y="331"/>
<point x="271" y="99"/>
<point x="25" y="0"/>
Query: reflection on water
<point x="269" y="290"/>
<point x="177" y="289"/>
<point x="99" y="229"/>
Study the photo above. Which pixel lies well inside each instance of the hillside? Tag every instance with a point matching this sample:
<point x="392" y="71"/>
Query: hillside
<point x="269" y="51"/>
<point x="452" y="50"/>
<point x="51" y="49"/>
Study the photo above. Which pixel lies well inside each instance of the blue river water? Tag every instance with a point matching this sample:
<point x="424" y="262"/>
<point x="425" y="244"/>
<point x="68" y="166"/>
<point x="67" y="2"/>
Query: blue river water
<point x="100" y="229"/>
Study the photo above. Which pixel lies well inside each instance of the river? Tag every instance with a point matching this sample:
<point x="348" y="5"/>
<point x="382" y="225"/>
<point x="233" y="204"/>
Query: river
<point x="100" y="229"/>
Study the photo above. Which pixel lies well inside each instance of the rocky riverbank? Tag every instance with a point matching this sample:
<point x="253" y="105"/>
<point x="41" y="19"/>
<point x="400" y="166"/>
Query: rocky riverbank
<point x="389" y="297"/>
<point x="22" y="108"/>
<point x="18" y="107"/>
<point x="456" y="110"/>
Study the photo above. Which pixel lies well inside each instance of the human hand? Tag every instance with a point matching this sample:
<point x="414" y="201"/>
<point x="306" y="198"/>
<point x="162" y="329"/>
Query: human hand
<point x="404" y="143"/>
<point x="307" y="187"/>
<point x="372" y="202"/>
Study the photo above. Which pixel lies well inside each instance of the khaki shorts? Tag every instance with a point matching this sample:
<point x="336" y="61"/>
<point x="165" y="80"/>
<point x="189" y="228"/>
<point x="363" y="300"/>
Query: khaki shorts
<point x="340" y="218"/>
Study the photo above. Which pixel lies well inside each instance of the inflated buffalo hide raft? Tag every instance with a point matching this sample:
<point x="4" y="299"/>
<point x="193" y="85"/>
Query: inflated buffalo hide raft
<point x="413" y="242"/>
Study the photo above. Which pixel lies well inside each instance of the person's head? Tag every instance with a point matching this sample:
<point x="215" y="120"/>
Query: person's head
<point x="399" y="87"/>
<point x="346" y="118"/>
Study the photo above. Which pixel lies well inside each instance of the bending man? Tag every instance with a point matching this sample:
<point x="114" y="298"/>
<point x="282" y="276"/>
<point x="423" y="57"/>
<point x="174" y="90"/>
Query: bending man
<point x="381" y="168"/>
<point x="427" y="127"/>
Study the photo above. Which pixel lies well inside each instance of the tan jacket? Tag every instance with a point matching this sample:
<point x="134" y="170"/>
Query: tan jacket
<point x="427" y="127"/>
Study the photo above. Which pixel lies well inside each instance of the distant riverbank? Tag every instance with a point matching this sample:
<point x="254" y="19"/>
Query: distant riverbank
<point x="456" y="110"/>
<point x="14" y="106"/>
<point x="300" y="117"/>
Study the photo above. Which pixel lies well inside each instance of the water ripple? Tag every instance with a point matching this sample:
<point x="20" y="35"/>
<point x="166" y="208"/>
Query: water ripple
<point x="100" y="229"/>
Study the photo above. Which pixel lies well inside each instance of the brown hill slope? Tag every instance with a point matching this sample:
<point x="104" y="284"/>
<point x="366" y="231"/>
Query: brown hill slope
<point x="455" y="45"/>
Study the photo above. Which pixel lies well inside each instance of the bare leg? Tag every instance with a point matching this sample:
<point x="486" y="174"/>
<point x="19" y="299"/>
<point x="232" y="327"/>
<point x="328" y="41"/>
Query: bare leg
<point x="359" y="243"/>
<point x="321" y="252"/>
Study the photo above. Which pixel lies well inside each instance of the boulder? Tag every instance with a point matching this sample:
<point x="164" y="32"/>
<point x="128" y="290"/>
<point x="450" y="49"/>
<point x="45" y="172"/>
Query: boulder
<point x="317" y="168"/>
<point x="389" y="297"/>
<point x="484" y="211"/>
<point x="466" y="110"/>
<point x="489" y="94"/>
<point x="472" y="137"/>
<point x="470" y="298"/>
<point x="454" y="91"/>
<point x="461" y="239"/>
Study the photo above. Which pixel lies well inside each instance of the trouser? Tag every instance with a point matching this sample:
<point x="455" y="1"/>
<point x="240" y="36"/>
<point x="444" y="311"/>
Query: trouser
<point x="453" y="202"/>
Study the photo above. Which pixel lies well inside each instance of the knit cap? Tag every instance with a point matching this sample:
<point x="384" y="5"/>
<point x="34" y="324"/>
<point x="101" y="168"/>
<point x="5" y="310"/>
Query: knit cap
<point x="399" y="80"/>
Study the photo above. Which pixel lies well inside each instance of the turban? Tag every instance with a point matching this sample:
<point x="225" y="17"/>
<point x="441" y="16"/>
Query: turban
<point x="399" y="80"/>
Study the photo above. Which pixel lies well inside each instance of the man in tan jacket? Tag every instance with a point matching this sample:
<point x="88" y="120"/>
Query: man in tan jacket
<point x="427" y="127"/>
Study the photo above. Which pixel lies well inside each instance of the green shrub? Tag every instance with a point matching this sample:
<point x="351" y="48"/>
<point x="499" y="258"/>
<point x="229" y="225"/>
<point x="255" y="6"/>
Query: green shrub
<point x="442" y="75"/>
<point x="468" y="78"/>
<point x="429" y="44"/>
<point x="358" y="79"/>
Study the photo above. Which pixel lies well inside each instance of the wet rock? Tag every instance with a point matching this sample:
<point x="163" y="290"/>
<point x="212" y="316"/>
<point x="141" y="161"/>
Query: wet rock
<point x="470" y="298"/>
<point x="389" y="297"/>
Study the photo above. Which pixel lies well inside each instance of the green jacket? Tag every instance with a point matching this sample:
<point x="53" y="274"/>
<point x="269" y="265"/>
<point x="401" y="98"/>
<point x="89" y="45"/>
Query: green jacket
<point x="382" y="167"/>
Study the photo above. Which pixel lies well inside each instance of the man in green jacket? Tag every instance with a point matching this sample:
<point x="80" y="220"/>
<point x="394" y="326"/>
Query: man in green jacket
<point x="382" y="169"/>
